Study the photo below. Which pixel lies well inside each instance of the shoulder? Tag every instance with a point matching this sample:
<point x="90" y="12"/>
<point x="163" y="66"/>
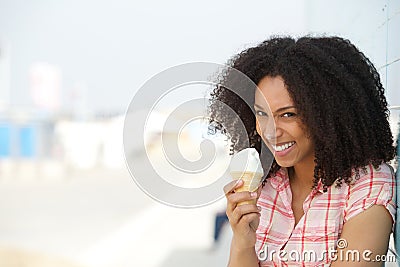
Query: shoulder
<point x="371" y="186"/>
<point x="369" y="176"/>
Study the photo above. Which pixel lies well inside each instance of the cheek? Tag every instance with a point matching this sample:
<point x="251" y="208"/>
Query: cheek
<point x="308" y="145"/>
<point x="258" y="129"/>
<point x="260" y="133"/>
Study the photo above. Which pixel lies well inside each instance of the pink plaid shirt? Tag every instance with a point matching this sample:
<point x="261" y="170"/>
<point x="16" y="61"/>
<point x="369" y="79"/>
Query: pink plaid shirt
<point x="281" y="243"/>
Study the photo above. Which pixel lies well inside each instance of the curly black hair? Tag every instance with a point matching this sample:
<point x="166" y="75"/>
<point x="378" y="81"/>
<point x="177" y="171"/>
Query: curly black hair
<point x="338" y="95"/>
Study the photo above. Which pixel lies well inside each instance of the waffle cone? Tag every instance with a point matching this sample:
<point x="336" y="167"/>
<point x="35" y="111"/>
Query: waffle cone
<point x="252" y="181"/>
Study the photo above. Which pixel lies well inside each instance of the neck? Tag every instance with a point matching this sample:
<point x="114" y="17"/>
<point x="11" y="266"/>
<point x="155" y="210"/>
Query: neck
<point x="303" y="174"/>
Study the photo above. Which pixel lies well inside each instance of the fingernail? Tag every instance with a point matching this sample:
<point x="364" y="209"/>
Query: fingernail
<point x="253" y="194"/>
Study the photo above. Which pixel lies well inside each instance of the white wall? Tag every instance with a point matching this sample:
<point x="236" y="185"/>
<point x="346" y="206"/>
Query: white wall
<point x="4" y="74"/>
<point x="373" y="26"/>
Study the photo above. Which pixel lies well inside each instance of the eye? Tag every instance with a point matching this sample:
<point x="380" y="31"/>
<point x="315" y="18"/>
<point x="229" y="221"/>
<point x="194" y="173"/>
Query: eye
<point x="288" y="114"/>
<point x="261" y="113"/>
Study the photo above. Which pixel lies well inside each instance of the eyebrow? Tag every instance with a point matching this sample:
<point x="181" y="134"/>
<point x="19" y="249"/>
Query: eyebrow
<point x="278" y="110"/>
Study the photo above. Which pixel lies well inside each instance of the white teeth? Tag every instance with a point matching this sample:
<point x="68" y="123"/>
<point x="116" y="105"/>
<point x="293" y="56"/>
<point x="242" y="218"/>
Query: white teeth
<point x="283" y="147"/>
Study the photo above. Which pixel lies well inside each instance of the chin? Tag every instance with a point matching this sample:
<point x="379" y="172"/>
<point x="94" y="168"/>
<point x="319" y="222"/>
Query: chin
<point x="284" y="164"/>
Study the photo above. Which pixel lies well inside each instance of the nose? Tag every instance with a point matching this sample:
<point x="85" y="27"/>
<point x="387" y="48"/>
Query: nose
<point x="271" y="131"/>
<point x="272" y="135"/>
<point x="269" y="136"/>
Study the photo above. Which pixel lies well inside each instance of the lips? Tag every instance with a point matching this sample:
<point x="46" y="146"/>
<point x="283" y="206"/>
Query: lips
<point x="283" y="146"/>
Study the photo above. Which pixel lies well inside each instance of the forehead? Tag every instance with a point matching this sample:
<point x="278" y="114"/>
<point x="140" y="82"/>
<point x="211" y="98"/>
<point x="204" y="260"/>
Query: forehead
<point x="272" y="91"/>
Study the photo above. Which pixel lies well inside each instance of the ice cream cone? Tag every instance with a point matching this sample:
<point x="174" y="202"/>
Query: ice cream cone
<point x="252" y="180"/>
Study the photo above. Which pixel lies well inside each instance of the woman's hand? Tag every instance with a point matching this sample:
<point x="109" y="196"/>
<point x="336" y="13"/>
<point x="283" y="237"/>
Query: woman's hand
<point x="244" y="219"/>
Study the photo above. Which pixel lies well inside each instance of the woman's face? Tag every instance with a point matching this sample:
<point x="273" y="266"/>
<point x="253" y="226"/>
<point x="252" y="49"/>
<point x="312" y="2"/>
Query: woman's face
<point x="289" y="142"/>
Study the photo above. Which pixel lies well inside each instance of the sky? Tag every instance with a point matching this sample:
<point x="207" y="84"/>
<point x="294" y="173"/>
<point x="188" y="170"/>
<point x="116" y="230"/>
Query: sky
<point x="106" y="50"/>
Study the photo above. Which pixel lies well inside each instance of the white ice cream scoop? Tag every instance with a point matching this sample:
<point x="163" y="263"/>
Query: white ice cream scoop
<point x="247" y="160"/>
<point x="246" y="165"/>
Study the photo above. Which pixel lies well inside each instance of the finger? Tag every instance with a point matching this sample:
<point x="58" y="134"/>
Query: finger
<point x="243" y="210"/>
<point x="230" y="189"/>
<point x="231" y="186"/>
<point x="238" y="197"/>
<point x="251" y="219"/>
<point x="234" y="200"/>
<point x="254" y="223"/>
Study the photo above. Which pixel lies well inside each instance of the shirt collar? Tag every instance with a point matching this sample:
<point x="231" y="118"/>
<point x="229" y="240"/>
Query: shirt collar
<point x="281" y="178"/>
<point x="320" y="187"/>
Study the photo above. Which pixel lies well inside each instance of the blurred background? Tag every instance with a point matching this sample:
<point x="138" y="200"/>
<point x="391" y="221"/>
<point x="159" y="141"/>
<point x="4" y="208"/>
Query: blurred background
<point x="68" y="70"/>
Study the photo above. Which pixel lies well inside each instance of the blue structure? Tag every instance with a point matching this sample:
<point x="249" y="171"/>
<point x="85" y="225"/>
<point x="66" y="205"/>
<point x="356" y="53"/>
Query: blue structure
<point x="18" y="140"/>
<point x="27" y="141"/>
<point x="5" y="140"/>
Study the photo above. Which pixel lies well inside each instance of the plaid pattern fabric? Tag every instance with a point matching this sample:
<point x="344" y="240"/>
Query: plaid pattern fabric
<point x="282" y="243"/>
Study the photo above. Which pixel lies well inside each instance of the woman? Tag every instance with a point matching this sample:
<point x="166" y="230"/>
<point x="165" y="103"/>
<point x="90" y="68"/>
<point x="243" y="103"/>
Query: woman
<point x="327" y="199"/>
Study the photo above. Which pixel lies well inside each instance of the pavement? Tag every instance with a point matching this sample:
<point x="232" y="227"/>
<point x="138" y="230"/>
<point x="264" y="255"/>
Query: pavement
<point x="100" y="218"/>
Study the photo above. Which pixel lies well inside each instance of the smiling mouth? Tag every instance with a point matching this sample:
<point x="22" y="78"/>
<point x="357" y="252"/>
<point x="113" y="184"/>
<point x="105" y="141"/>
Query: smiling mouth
<point x="283" y="147"/>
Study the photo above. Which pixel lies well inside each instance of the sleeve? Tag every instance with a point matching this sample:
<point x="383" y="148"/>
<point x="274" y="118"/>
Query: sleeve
<point x="376" y="187"/>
